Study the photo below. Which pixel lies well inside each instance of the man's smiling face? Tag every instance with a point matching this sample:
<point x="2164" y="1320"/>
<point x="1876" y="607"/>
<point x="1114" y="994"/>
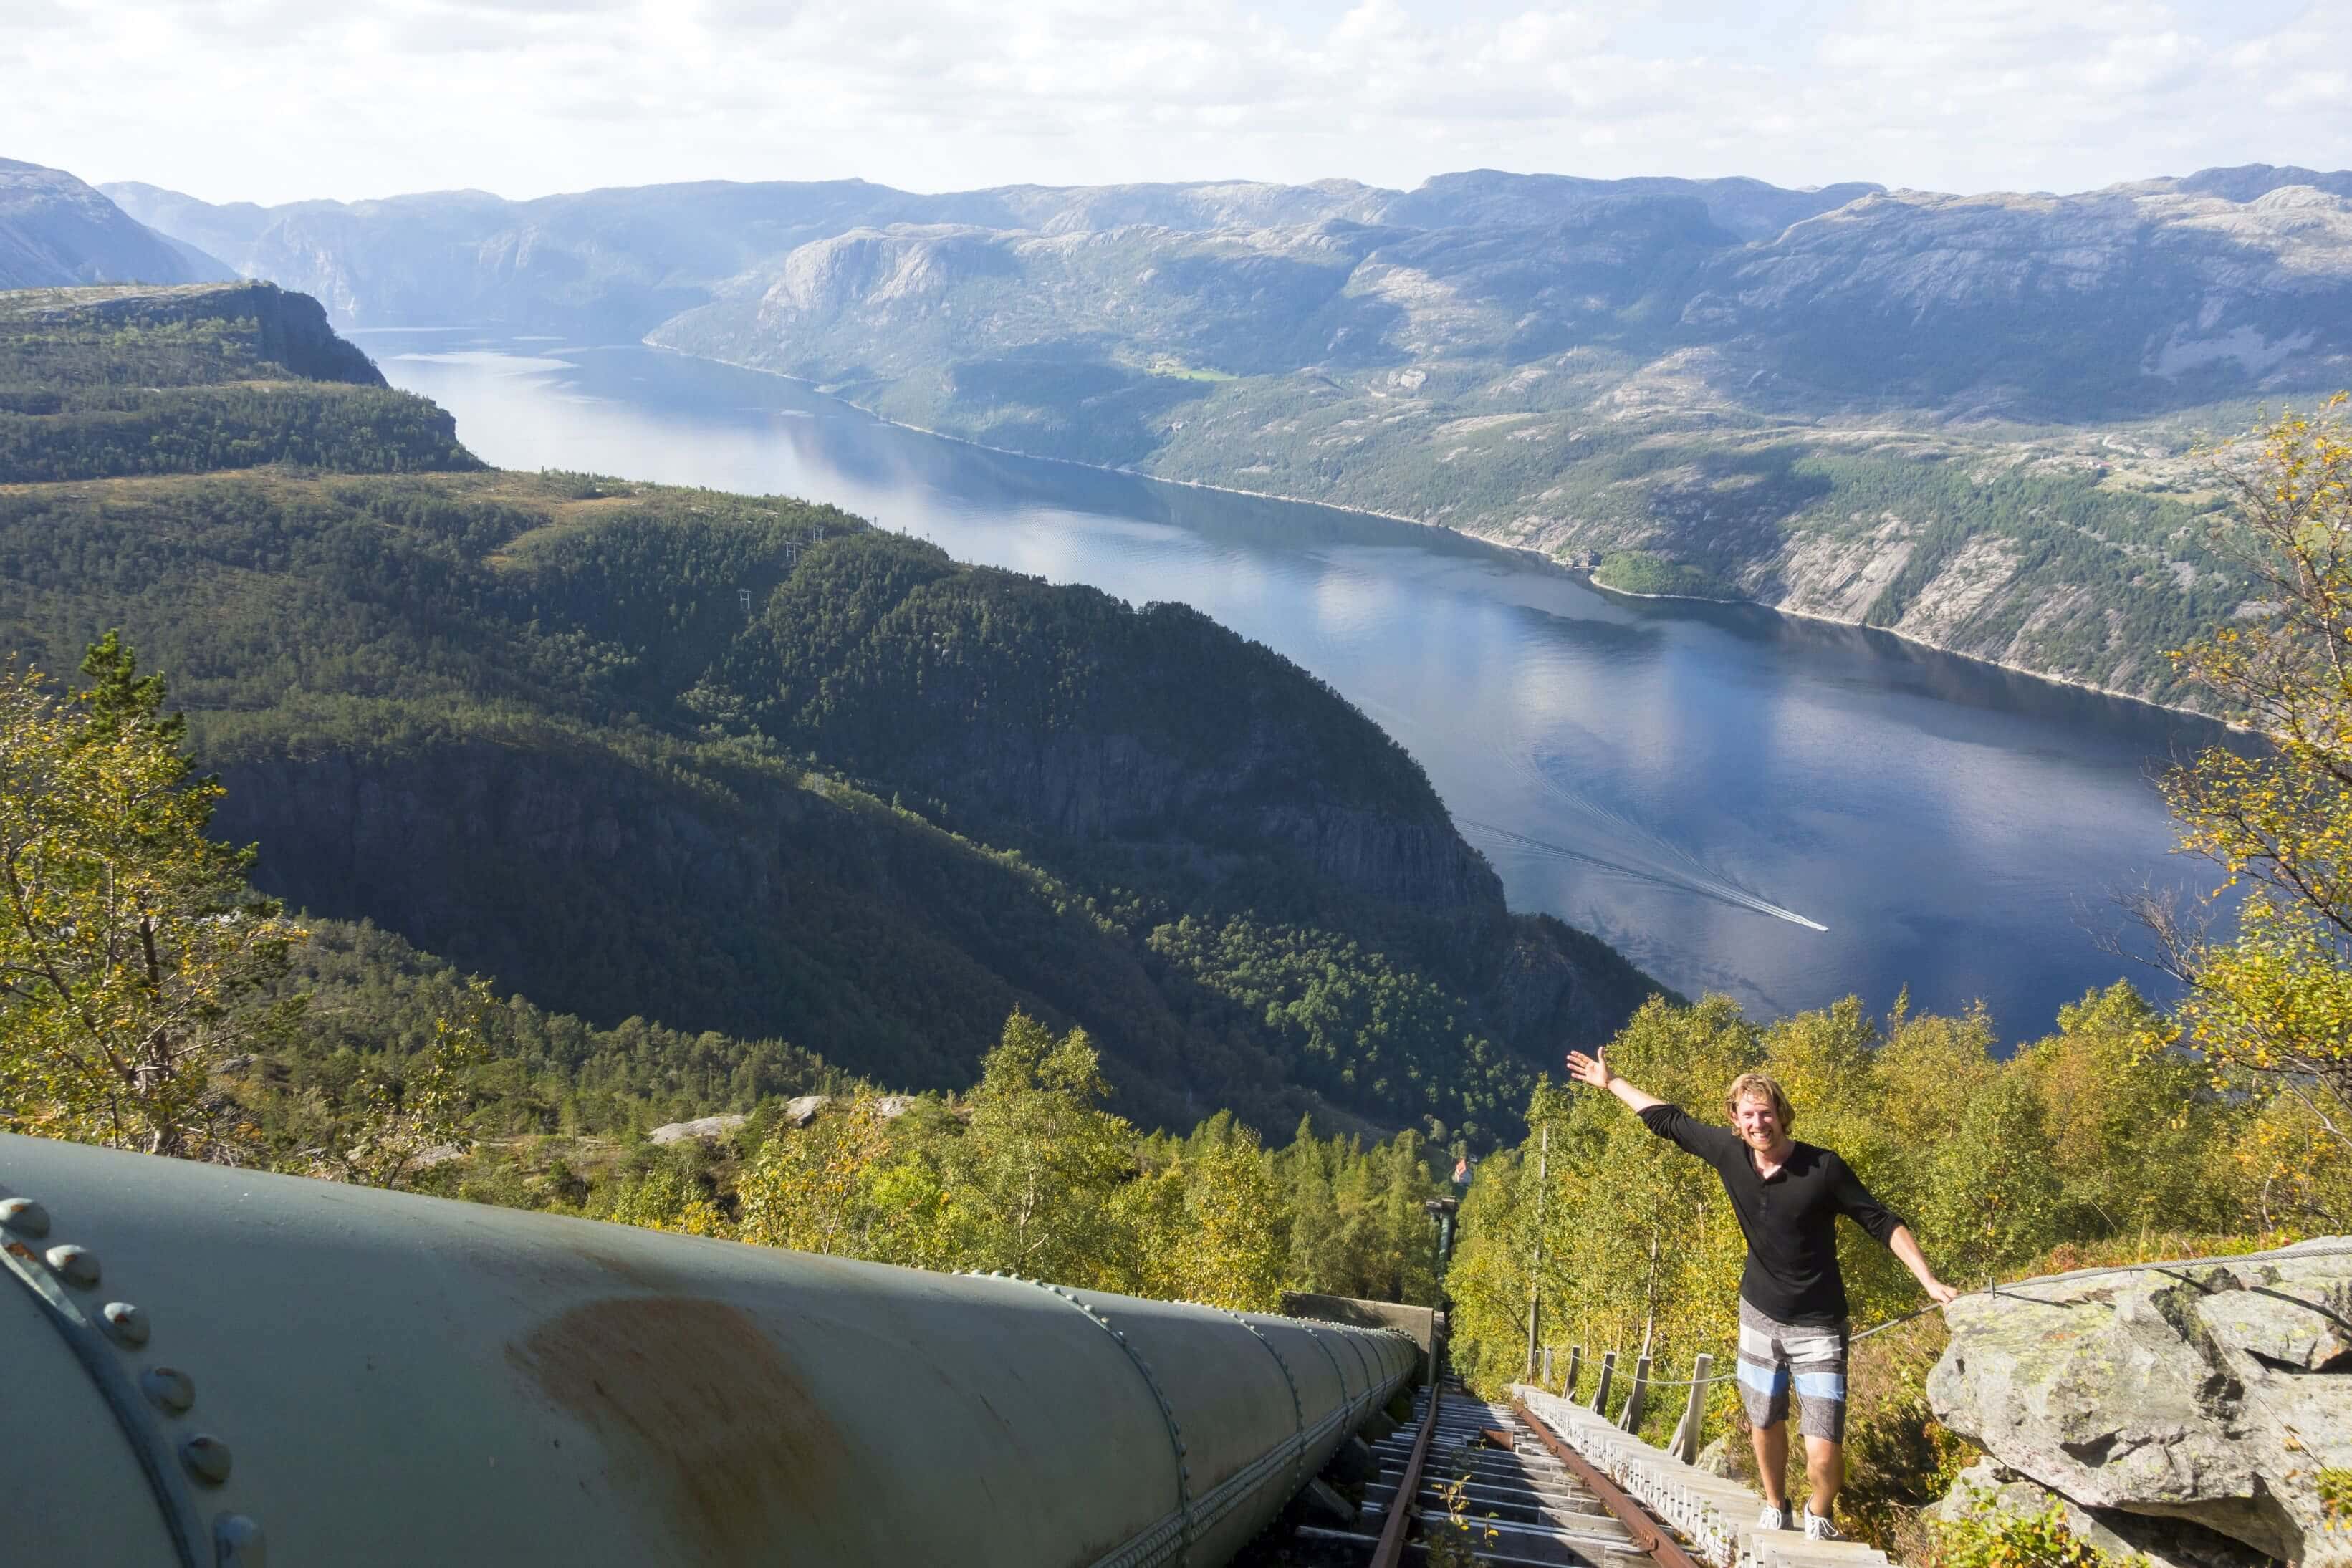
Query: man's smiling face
<point x="1757" y="1124"/>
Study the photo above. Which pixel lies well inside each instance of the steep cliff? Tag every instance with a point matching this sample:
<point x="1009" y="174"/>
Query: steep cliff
<point x="106" y="382"/>
<point x="738" y="897"/>
<point x="235" y="331"/>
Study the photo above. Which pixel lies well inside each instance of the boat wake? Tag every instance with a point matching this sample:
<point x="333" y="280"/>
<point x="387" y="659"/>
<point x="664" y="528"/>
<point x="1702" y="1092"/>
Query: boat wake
<point x="1670" y="865"/>
<point x="1704" y="886"/>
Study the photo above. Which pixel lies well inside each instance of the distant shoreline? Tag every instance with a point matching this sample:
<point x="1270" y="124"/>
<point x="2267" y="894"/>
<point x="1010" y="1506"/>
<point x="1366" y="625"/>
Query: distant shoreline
<point x="2095" y="690"/>
<point x="1582" y="574"/>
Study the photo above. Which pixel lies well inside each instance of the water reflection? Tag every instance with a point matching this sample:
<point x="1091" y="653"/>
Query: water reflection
<point x="1786" y="810"/>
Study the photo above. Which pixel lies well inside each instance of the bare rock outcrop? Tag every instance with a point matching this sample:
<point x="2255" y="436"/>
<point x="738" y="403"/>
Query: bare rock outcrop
<point x="705" y="1127"/>
<point x="2213" y="1393"/>
<point x="800" y="1111"/>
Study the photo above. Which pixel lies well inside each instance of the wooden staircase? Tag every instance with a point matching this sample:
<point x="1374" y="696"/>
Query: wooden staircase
<point x="1713" y="1518"/>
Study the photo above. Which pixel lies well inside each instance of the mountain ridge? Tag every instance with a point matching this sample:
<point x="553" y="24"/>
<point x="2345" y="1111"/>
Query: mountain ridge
<point x="1971" y="420"/>
<point x="56" y="230"/>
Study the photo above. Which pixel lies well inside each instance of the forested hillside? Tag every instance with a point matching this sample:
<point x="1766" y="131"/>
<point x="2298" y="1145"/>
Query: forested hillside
<point x="744" y="764"/>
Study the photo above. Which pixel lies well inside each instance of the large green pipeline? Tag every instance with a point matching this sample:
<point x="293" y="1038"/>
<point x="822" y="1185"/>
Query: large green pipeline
<point x="208" y="1367"/>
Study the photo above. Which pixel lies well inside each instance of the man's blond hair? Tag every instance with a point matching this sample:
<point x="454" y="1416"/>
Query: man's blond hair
<point x="1754" y="1086"/>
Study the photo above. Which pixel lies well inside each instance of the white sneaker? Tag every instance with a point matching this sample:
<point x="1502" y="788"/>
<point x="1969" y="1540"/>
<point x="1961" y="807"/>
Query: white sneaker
<point x="1820" y="1529"/>
<point x="1772" y="1519"/>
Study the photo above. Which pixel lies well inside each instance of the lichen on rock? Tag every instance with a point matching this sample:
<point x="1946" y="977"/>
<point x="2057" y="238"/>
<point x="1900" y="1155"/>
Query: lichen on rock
<point x="2212" y="1393"/>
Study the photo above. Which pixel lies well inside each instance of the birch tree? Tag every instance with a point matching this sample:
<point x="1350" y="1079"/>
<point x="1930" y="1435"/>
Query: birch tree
<point x="133" y="954"/>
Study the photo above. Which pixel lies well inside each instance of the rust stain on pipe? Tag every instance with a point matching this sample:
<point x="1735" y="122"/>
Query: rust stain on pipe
<point x="694" y="1403"/>
<point x="1645" y="1530"/>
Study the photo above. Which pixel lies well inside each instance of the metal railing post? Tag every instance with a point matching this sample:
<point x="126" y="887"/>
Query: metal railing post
<point x="1575" y="1368"/>
<point x="1601" y="1394"/>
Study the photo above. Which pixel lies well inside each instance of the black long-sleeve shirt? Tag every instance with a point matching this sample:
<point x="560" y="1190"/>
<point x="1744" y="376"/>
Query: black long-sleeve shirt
<point x="1790" y="1221"/>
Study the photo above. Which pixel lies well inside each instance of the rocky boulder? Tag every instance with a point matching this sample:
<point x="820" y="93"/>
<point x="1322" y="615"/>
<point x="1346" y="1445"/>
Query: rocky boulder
<point x="1717" y="1460"/>
<point x="2211" y="1391"/>
<point x="708" y="1127"/>
<point x="800" y="1111"/>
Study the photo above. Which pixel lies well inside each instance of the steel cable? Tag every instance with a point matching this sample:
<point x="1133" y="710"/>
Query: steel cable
<point x="2010" y="1291"/>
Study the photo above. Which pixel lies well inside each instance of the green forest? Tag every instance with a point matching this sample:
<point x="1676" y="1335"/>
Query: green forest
<point x="1648" y="572"/>
<point x="833" y="764"/>
<point x="2101" y="1140"/>
<point x="338" y="1050"/>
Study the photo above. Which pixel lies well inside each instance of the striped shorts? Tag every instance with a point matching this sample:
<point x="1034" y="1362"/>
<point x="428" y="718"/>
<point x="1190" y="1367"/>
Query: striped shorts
<point x="1775" y="1356"/>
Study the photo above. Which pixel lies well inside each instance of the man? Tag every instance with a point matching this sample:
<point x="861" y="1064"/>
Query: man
<point x="1792" y="1308"/>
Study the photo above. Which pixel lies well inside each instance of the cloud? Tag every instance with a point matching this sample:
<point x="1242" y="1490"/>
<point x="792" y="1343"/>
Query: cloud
<point x="279" y="98"/>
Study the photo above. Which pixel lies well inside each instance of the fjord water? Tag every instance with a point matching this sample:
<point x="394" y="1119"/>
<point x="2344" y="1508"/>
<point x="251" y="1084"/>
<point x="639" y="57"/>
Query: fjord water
<point x="1783" y="809"/>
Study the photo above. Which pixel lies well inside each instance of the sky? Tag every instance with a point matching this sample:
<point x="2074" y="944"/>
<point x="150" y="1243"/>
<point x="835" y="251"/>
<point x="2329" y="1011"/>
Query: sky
<point x="274" y="100"/>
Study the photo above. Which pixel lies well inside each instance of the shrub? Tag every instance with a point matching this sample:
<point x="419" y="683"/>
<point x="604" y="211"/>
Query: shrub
<point x="1989" y="1537"/>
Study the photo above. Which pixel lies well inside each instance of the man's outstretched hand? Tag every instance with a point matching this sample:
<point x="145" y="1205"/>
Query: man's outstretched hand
<point x="1905" y="1246"/>
<point x="1593" y="1069"/>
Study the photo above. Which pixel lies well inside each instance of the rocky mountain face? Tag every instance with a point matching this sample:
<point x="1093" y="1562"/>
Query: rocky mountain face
<point x="2111" y="303"/>
<point x="2184" y="1412"/>
<point x="1486" y="198"/>
<point x="758" y="907"/>
<point x="55" y="230"/>
<point x="626" y="259"/>
<point x="601" y="261"/>
<point x="1969" y="419"/>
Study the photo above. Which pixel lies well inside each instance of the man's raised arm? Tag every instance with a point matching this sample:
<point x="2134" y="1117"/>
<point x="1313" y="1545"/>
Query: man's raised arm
<point x="1663" y="1117"/>
<point x="1594" y="1070"/>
